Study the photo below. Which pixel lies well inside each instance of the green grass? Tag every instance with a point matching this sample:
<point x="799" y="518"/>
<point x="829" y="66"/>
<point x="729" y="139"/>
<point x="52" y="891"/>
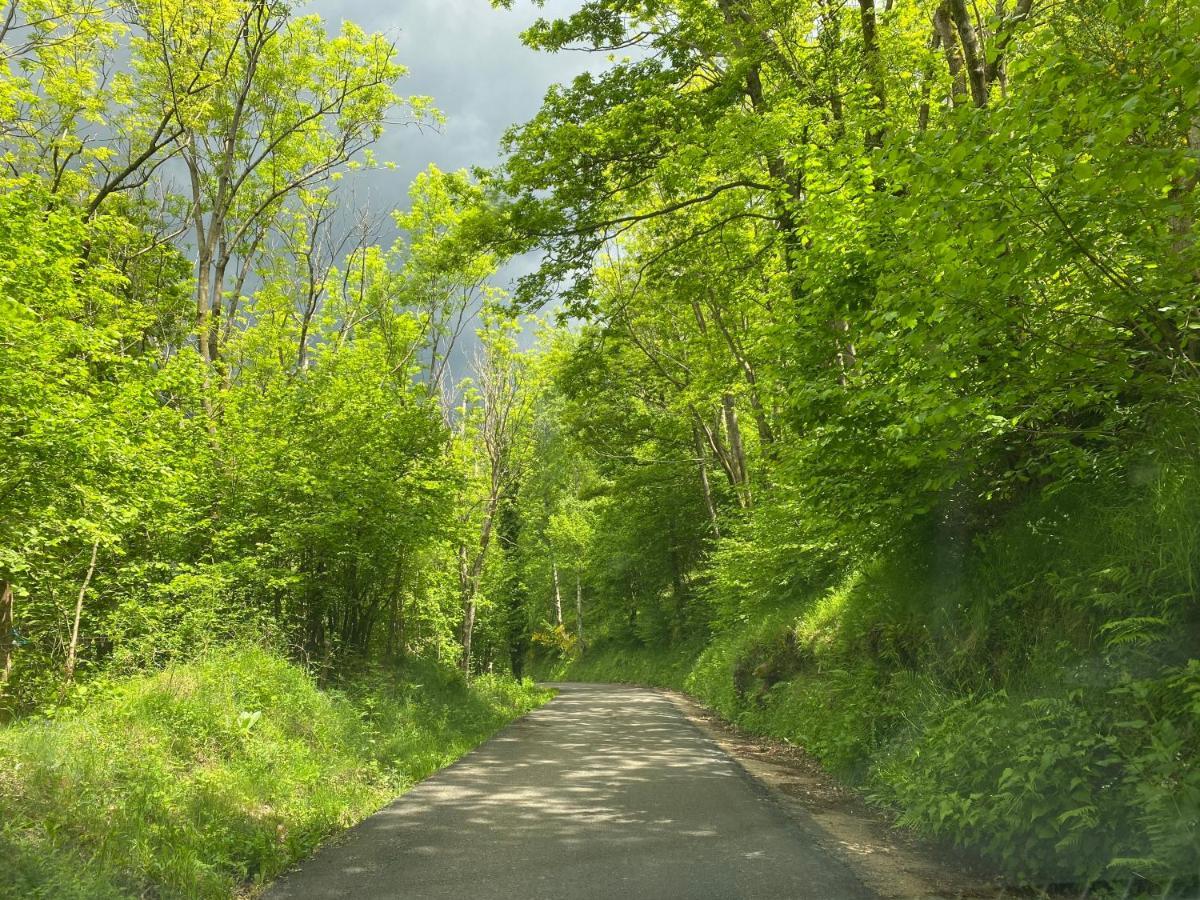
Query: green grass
<point x="622" y="663"/>
<point x="211" y="776"/>
<point x="1029" y="688"/>
<point x="1053" y="786"/>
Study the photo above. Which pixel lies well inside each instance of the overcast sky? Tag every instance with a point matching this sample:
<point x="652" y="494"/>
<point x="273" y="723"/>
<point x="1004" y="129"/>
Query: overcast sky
<point x="469" y="58"/>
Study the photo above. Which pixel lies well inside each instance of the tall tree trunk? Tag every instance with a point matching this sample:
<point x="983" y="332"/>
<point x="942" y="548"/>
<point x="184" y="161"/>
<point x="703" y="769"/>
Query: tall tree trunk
<point x="949" y="41"/>
<point x="558" y="616"/>
<point x="204" y="308"/>
<point x="468" y="634"/>
<point x="217" y="304"/>
<point x="239" y="283"/>
<point x="766" y="434"/>
<point x="866" y="9"/>
<point x="205" y="252"/>
<point x="729" y="464"/>
<point x="736" y="451"/>
<point x="935" y="41"/>
<point x="469" y="572"/>
<point x="829" y="38"/>
<point x="972" y="51"/>
<point x="73" y="649"/>
<point x="467" y="586"/>
<point x="704" y="483"/>
<point x="7" y="636"/>
<point x="578" y="608"/>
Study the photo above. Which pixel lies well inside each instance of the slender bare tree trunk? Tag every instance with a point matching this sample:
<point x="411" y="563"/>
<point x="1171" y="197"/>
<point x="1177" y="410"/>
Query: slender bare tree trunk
<point x="705" y="486"/>
<point x="729" y="463"/>
<point x="469" y="574"/>
<point x="7" y="638"/>
<point x="73" y="650"/>
<point x="468" y="604"/>
<point x="734" y="434"/>
<point x="766" y="434"/>
<point x="217" y="301"/>
<point x="470" y="571"/>
<point x="558" y="616"/>
<point x="204" y="307"/>
<point x="468" y="634"/>
<point x="239" y="283"/>
<point x="579" y="608"/>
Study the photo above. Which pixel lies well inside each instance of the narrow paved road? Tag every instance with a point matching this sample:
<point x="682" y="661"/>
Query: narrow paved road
<point x="605" y="792"/>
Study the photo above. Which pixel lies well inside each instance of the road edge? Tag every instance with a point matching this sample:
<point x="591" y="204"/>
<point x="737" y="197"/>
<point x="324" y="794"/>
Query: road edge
<point x="263" y="890"/>
<point x="888" y="861"/>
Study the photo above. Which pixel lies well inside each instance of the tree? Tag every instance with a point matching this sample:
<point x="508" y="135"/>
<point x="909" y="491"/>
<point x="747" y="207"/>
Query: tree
<point x="445" y="276"/>
<point x="285" y="107"/>
<point x="495" y="414"/>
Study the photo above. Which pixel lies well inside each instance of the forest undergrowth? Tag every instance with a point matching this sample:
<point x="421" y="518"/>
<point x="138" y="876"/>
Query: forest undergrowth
<point x="993" y="697"/>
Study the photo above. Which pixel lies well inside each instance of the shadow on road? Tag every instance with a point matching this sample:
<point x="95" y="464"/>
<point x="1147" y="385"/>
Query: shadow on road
<point x="605" y="792"/>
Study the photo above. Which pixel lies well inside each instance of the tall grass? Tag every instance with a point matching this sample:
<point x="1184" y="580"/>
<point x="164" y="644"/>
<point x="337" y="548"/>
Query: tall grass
<point x="221" y="773"/>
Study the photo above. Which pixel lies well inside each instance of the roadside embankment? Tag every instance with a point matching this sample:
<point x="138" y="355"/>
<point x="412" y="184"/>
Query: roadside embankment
<point x="212" y="777"/>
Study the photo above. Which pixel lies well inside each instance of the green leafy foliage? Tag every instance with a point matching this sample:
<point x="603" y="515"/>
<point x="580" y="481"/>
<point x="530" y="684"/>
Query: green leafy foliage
<point x="227" y="417"/>
<point x="870" y="418"/>
<point x="959" y="704"/>
<point x="885" y="381"/>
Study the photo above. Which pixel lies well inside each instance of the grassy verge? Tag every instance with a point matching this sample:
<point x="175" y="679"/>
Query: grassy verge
<point x="214" y="776"/>
<point x="1028" y="687"/>
<point x="1056" y="785"/>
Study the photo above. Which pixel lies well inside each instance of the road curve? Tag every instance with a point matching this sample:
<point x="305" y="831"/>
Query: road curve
<point x="605" y="792"/>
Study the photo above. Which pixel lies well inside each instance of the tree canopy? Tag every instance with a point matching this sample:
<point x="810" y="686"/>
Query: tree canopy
<point x="851" y="322"/>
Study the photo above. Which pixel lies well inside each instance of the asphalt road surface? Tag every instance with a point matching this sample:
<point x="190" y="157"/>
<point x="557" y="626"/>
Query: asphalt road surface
<point x="606" y="792"/>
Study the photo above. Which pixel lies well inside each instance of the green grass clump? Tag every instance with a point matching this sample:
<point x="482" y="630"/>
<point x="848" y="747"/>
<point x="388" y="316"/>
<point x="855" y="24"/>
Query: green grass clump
<point x="223" y="772"/>
<point x="616" y="662"/>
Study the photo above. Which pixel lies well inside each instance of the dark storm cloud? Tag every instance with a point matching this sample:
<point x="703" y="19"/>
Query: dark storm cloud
<point x="469" y="58"/>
